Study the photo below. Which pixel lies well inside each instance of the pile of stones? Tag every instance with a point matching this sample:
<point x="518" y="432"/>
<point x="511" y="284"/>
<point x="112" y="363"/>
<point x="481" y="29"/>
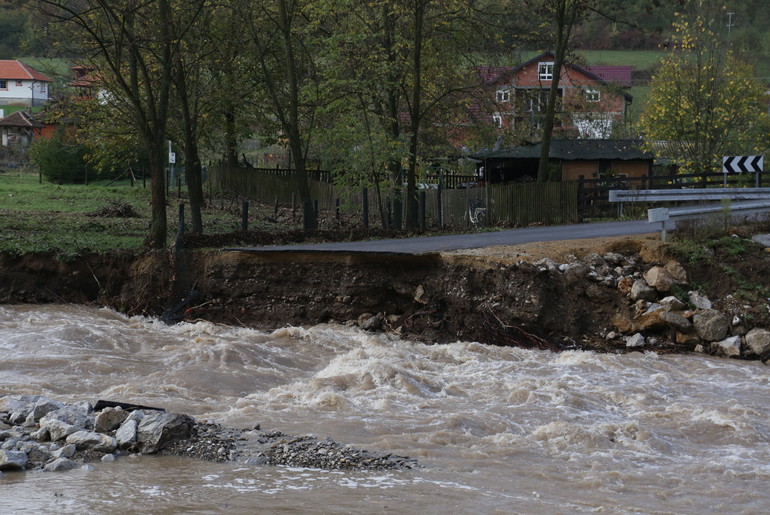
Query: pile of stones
<point x="41" y="433"/>
<point x="655" y="316"/>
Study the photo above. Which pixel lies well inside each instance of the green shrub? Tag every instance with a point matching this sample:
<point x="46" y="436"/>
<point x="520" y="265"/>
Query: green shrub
<point x="59" y="161"/>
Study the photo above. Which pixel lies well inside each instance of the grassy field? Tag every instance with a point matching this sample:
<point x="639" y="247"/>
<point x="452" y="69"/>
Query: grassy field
<point x="71" y="220"/>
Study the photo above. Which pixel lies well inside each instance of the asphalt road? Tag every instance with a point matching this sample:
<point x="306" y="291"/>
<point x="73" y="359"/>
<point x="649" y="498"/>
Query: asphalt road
<point x="430" y="244"/>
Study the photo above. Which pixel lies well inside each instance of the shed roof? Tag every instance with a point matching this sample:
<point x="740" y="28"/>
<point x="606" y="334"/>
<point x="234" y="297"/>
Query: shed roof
<point x="16" y="70"/>
<point x="574" y="150"/>
<point x="20" y="119"/>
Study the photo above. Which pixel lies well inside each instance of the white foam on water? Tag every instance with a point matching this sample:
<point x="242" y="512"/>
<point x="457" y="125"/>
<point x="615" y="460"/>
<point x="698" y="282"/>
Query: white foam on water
<point x="586" y="432"/>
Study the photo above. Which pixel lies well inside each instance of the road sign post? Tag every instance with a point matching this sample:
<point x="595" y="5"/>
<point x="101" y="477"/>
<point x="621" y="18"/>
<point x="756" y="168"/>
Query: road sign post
<point x="740" y="164"/>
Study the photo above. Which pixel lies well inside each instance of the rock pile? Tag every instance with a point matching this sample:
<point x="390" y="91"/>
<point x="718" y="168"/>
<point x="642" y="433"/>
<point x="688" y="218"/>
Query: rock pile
<point x="655" y="316"/>
<point x="40" y="433"/>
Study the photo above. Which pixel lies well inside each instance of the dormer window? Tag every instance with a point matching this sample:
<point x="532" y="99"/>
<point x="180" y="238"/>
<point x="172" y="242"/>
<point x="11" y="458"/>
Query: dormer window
<point x="593" y="95"/>
<point x="545" y="70"/>
<point x="503" y="95"/>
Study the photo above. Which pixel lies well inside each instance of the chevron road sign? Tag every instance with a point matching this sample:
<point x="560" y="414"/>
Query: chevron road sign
<point x="739" y="164"/>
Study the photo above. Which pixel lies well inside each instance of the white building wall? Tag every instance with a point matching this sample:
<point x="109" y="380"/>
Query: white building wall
<point x="24" y="92"/>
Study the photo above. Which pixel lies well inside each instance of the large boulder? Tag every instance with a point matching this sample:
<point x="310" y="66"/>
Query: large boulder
<point x="650" y="319"/>
<point x="158" y="429"/>
<point x="698" y="300"/>
<point x="658" y="277"/>
<point x="109" y="419"/>
<point x="676" y="320"/>
<point x="13" y="460"/>
<point x="711" y="325"/>
<point x="677" y="272"/>
<point x="60" y="464"/>
<point x="42" y="407"/>
<point x="758" y="341"/>
<point x="92" y="440"/>
<point x="636" y="340"/>
<point x="730" y="346"/>
<point x="126" y="433"/>
<point x="642" y="291"/>
<point x="63" y="422"/>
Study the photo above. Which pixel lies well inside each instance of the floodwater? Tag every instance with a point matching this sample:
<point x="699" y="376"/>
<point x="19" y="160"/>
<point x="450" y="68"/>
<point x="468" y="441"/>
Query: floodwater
<point x="496" y="430"/>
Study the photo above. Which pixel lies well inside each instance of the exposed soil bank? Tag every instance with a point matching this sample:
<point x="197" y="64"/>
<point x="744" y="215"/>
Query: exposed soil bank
<point x="497" y="298"/>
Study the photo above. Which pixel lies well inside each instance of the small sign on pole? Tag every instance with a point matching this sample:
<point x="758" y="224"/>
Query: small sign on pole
<point x="172" y="158"/>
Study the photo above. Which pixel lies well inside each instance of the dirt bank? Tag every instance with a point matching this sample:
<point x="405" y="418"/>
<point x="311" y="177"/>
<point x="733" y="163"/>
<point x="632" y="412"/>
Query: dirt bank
<point x="495" y="295"/>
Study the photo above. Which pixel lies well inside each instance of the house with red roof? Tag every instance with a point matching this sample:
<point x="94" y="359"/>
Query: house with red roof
<point x="592" y="100"/>
<point x="22" y="85"/>
<point x="19" y="130"/>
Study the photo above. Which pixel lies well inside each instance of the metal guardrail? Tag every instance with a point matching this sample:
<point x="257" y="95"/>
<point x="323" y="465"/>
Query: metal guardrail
<point x="664" y="214"/>
<point x="690" y="194"/>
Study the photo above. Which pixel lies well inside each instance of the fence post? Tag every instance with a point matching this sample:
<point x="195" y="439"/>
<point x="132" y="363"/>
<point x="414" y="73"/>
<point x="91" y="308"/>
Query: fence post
<point x="440" y="203"/>
<point x="180" y="232"/>
<point x="581" y="197"/>
<point x="337" y="209"/>
<point x="245" y="216"/>
<point x="275" y="206"/>
<point x="365" y="202"/>
<point x="422" y="200"/>
<point x="388" y="214"/>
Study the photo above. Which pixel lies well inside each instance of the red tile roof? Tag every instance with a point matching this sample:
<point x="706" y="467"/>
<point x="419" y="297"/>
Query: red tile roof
<point x="16" y="70"/>
<point x="620" y="75"/>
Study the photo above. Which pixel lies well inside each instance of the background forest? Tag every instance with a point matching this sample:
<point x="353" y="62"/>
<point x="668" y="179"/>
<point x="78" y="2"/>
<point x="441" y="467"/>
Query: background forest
<point x="368" y="90"/>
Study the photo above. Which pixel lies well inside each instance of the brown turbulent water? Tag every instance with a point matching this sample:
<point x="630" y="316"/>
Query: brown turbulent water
<point x="497" y="430"/>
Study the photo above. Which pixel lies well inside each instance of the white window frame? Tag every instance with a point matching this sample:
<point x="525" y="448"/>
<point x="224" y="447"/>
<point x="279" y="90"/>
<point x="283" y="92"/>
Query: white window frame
<point x="497" y="120"/>
<point x="593" y="95"/>
<point x="503" y="95"/>
<point x="545" y="70"/>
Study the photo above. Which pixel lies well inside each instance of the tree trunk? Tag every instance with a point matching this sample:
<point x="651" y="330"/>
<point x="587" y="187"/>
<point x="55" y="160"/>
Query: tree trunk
<point x="158" y="226"/>
<point x="292" y="123"/>
<point x="391" y="122"/>
<point x="411" y="178"/>
<point x="565" y="19"/>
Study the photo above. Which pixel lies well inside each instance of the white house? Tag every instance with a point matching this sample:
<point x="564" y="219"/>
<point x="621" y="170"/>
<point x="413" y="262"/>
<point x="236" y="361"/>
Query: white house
<point x="22" y="85"/>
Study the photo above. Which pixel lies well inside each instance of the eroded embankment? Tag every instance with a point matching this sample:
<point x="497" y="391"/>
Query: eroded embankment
<point x="425" y="297"/>
<point x="596" y="302"/>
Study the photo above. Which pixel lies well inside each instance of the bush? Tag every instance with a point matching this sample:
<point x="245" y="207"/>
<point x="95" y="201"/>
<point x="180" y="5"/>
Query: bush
<point x="60" y="161"/>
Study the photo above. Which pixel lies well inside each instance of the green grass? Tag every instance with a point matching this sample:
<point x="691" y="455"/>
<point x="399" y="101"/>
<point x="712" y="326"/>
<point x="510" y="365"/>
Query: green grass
<point x="72" y="220"/>
<point x="639" y="59"/>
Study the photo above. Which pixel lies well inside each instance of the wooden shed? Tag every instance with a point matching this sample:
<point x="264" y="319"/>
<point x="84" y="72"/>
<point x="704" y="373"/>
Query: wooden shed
<point x="591" y="158"/>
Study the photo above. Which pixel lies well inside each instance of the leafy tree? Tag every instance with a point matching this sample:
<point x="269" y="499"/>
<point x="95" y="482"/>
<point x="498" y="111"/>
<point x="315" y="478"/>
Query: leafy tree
<point x="284" y="49"/>
<point x="132" y="46"/>
<point x="396" y="68"/>
<point x="703" y="101"/>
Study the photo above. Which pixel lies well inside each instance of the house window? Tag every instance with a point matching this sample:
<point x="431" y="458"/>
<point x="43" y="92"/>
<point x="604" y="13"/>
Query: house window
<point x="593" y="95"/>
<point x="3" y="84"/>
<point x="19" y="83"/>
<point x="545" y="71"/>
<point x="497" y="120"/>
<point x="503" y="95"/>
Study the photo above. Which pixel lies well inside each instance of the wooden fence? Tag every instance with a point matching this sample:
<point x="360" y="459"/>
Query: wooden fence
<point x="508" y="204"/>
